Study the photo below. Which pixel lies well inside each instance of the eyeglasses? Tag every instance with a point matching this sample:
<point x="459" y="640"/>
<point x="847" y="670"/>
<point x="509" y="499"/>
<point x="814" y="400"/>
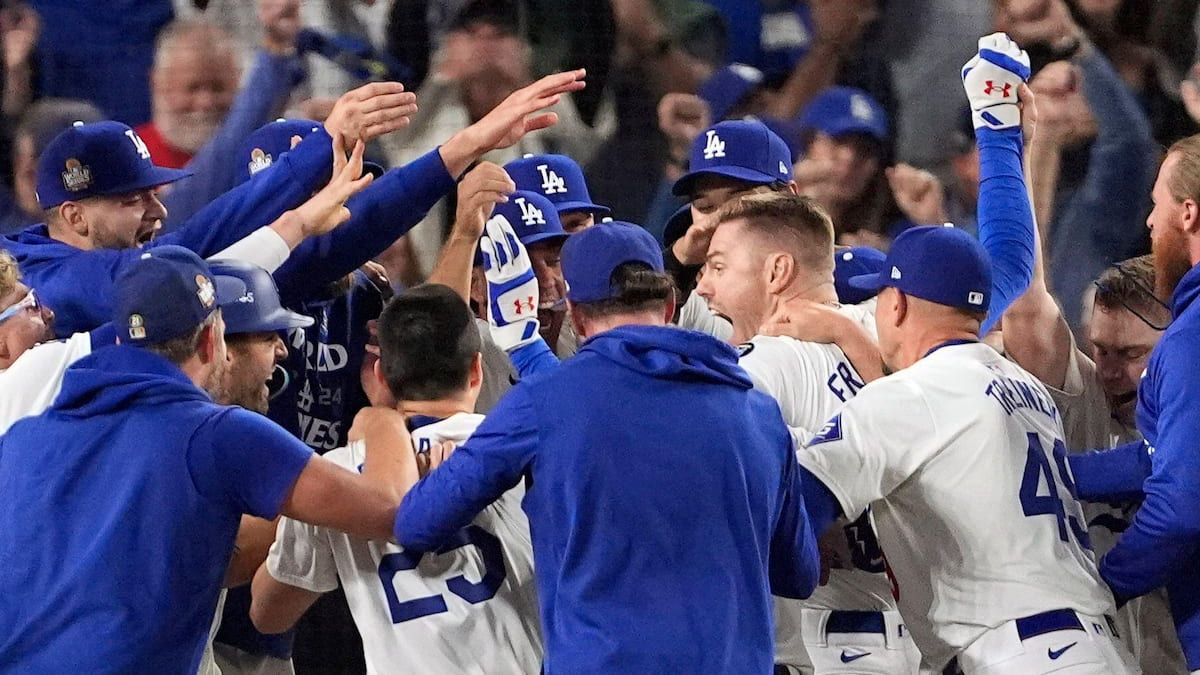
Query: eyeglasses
<point x="29" y="302"/>
<point x="1148" y="292"/>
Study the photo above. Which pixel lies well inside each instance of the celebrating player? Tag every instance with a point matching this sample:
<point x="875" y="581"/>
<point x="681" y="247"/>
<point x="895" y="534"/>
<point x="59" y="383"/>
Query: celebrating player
<point x="416" y="608"/>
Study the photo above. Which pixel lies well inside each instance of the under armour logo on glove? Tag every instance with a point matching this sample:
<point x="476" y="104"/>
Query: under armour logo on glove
<point x="526" y="305"/>
<point x="511" y="285"/>
<point x="991" y="88"/>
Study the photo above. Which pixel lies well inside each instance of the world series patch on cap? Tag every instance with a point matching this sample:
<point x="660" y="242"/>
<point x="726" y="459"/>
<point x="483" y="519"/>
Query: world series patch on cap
<point x="101" y="158"/>
<point x="166" y="293"/>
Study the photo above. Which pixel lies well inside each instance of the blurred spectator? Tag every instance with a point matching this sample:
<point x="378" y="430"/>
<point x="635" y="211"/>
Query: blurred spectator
<point x="483" y="61"/>
<point x="846" y="138"/>
<point x="40" y="124"/>
<point x="19" y="31"/>
<point x="100" y="52"/>
<point x="1091" y="164"/>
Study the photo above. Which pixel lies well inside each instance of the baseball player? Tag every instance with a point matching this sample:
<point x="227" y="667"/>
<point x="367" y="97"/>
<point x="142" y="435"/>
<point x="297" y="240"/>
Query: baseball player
<point x="960" y="456"/>
<point x="97" y="183"/>
<point x="469" y="607"/>
<point x="559" y="179"/>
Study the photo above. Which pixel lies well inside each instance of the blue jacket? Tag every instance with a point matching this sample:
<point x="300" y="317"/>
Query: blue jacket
<point x="1161" y="545"/>
<point x="121" y="506"/>
<point x="663" y="499"/>
<point x="77" y="284"/>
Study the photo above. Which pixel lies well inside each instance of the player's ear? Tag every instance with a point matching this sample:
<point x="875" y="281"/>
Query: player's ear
<point x="901" y="307"/>
<point x="578" y="321"/>
<point x="669" y="314"/>
<point x="71" y="215"/>
<point x="475" y="376"/>
<point x="780" y="269"/>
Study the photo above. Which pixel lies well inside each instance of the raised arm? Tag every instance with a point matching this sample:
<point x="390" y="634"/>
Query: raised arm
<point x="480" y="190"/>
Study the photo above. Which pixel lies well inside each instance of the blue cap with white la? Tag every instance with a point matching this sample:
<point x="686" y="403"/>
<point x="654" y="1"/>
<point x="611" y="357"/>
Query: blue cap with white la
<point x="532" y="217"/>
<point x="590" y="257"/>
<point x="557" y="178"/>
<point x="841" y="111"/>
<point x="943" y="265"/>
<point x="852" y="262"/>
<point x="166" y="293"/>
<point x="101" y="158"/>
<point x="743" y="149"/>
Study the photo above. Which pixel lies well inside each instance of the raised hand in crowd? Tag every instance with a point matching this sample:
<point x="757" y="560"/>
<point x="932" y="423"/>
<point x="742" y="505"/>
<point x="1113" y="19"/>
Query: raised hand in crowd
<point x="681" y="118"/>
<point x="20" y="27"/>
<point x="370" y="111"/>
<point x="524" y="111"/>
<point x="1189" y="91"/>
<point x="281" y="23"/>
<point x="918" y="193"/>
<point x="1037" y="22"/>
<point x="1064" y="117"/>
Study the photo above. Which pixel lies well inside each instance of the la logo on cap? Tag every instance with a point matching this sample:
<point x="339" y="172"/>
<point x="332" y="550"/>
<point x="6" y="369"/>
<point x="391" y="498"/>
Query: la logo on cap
<point x="205" y="291"/>
<point x="552" y="183"/>
<point x="137" y="327"/>
<point x="531" y="214"/>
<point x="77" y="176"/>
<point x="860" y="108"/>
<point x="259" y="160"/>
<point x="975" y="298"/>
<point x="714" y="146"/>
<point x="895" y="272"/>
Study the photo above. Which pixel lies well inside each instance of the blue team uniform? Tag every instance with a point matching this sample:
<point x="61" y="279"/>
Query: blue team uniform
<point x="121" y="506"/>
<point x="1160" y="546"/>
<point x="77" y="284"/>
<point x="663" y="499"/>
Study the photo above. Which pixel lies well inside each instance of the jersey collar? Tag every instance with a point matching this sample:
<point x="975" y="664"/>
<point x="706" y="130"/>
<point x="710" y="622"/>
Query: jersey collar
<point x="951" y="343"/>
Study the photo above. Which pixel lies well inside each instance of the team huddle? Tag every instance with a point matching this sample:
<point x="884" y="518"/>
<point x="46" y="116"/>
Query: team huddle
<point x="747" y="452"/>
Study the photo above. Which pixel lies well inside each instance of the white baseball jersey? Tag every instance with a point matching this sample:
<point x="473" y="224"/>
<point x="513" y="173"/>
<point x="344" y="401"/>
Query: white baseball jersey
<point x="961" y="459"/>
<point x="469" y="609"/>
<point x="811" y="382"/>
<point x="30" y="385"/>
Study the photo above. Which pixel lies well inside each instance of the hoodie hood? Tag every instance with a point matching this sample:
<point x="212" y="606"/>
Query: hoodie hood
<point x="117" y="378"/>
<point x="1186" y="292"/>
<point x="34" y="245"/>
<point x="669" y="353"/>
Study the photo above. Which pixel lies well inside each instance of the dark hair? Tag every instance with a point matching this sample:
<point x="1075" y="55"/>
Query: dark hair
<point x="1129" y="284"/>
<point x="179" y="350"/>
<point x="427" y="342"/>
<point x="639" y="289"/>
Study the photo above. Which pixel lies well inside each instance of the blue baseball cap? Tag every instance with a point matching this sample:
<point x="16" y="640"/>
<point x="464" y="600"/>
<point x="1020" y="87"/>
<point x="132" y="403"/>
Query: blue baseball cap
<point x="271" y="141"/>
<point x="101" y="158"/>
<point x="167" y="293"/>
<point x="532" y="217"/>
<point x="677" y="225"/>
<point x="557" y="178"/>
<point x="590" y="256"/>
<point x="840" y="111"/>
<point x="743" y="149"/>
<point x="939" y="264"/>
<point x="852" y="262"/>
<point x="258" y="309"/>
<point x="728" y="87"/>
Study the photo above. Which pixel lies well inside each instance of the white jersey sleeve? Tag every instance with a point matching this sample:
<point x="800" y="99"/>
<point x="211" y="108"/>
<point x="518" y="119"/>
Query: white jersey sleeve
<point x="33" y="381"/>
<point x="302" y="557"/>
<point x="866" y="450"/>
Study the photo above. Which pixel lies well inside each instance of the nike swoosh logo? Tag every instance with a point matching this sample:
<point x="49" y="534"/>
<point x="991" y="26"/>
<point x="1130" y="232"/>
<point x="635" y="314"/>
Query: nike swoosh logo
<point x="847" y="658"/>
<point x="1055" y="653"/>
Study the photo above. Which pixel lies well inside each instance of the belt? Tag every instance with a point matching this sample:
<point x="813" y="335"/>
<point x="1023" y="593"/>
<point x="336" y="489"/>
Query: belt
<point x="1048" y="622"/>
<point x="843" y="621"/>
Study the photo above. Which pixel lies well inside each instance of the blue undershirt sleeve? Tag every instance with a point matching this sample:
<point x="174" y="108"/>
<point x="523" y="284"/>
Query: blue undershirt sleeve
<point x="1006" y="227"/>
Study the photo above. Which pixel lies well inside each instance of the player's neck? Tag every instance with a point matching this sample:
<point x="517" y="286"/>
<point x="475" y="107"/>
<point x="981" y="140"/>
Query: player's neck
<point x="929" y="339"/>
<point x="441" y="409"/>
<point x="818" y="289"/>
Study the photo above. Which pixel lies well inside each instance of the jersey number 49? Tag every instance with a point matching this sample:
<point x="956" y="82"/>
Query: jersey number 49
<point x="1038" y="467"/>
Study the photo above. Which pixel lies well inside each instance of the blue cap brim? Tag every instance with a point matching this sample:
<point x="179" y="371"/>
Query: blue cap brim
<point x="568" y="207"/>
<point x="156" y="176"/>
<point x="281" y="319"/>
<point x="869" y="282"/>
<point x="544" y="236"/>
<point x="846" y="127"/>
<point x="684" y="184"/>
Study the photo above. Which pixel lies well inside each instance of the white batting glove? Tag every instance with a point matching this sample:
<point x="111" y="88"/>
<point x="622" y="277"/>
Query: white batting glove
<point x="991" y="79"/>
<point x="511" y="285"/>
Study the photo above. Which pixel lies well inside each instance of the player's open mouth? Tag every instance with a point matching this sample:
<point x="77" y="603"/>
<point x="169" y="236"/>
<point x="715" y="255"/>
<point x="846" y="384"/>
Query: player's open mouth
<point x="146" y="237"/>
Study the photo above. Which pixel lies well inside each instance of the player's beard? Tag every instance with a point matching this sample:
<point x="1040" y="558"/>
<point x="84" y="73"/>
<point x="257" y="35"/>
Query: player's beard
<point x="1171" y="262"/>
<point x="189" y="131"/>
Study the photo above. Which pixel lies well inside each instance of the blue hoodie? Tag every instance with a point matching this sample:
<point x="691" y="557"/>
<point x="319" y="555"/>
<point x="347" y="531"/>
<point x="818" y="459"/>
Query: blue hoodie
<point x="121" y="506"/>
<point x="663" y="500"/>
<point x="1161" y="545"/>
<point x="77" y="284"/>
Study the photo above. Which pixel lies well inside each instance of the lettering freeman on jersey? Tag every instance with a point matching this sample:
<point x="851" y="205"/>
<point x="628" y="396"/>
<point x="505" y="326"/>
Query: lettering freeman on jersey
<point x="1015" y="394"/>
<point x="844" y="382"/>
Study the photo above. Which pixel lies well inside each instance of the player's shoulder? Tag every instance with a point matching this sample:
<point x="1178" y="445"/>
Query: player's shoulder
<point x="776" y="349"/>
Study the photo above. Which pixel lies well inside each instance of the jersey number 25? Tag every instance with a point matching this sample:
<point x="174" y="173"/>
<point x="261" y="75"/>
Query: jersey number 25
<point x="474" y="593"/>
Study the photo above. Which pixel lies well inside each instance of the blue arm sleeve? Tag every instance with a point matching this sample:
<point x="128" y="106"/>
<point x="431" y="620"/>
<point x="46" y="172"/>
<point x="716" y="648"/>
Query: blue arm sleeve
<point x="260" y="200"/>
<point x="1111" y="475"/>
<point x="380" y="215"/>
<point x="215" y="167"/>
<point x="533" y="358"/>
<point x="1005" y="218"/>
<point x="1166" y="529"/>
<point x="795" y="564"/>
<point x="491" y="462"/>
<point x="823" y="508"/>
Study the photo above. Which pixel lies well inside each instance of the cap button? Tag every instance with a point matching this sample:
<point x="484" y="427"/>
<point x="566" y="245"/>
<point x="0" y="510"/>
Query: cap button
<point x="77" y="123"/>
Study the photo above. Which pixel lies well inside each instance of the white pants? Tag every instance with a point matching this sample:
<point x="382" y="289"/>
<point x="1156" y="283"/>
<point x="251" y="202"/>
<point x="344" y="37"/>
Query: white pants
<point x="1089" y="649"/>
<point x="870" y="643"/>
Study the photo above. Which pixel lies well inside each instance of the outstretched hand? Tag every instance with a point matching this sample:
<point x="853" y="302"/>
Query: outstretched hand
<point x="371" y="111"/>
<point x="327" y="208"/>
